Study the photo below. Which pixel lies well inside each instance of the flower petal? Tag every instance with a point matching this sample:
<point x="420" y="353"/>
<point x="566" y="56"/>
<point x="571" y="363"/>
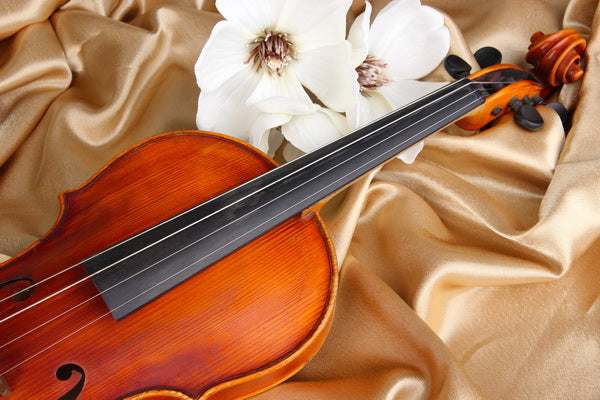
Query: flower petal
<point x="390" y="22"/>
<point x="400" y="93"/>
<point x="314" y="23"/>
<point x="418" y="49"/>
<point x="327" y="72"/>
<point x="311" y="131"/>
<point x="223" y="110"/>
<point x="260" y="131"/>
<point x="281" y="94"/>
<point x="409" y="155"/>
<point x="358" y="36"/>
<point x="224" y="54"/>
<point x="254" y="16"/>
<point x="367" y="109"/>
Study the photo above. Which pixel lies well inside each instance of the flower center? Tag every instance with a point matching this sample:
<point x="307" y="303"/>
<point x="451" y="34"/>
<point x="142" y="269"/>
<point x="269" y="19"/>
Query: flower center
<point x="371" y="75"/>
<point x="272" y="51"/>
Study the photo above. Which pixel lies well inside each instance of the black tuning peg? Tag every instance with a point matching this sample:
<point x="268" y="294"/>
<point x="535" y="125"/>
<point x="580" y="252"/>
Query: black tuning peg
<point x="488" y="56"/>
<point x="525" y="113"/>
<point x="561" y="111"/>
<point x="456" y="66"/>
<point x="529" y="118"/>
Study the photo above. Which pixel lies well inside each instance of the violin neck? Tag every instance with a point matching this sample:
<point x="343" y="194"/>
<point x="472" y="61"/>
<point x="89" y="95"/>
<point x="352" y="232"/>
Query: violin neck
<point x="310" y="178"/>
<point x="212" y="230"/>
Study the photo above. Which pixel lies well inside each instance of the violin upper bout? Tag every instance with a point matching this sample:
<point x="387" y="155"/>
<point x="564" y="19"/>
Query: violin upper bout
<point x="556" y="56"/>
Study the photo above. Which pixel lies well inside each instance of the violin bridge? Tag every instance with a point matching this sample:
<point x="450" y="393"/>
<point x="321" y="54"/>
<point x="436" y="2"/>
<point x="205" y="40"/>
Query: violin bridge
<point x="4" y="388"/>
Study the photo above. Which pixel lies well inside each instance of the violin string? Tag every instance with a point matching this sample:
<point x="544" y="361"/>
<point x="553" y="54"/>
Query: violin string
<point x="391" y="151"/>
<point x="195" y="222"/>
<point x="114" y="263"/>
<point x="477" y="84"/>
<point x="194" y="242"/>
<point x="62" y="339"/>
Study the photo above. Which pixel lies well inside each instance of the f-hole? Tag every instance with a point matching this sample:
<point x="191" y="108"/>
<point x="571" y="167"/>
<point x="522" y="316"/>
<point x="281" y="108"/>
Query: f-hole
<point x="64" y="373"/>
<point x="20" y="294"/>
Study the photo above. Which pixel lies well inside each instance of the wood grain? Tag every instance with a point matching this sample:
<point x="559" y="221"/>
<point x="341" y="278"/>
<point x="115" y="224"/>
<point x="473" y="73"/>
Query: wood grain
<point x="238" y="327"/>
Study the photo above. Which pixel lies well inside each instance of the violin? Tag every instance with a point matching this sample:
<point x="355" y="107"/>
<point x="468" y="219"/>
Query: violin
<point x="555" y="59"/>
<point x="191" y="266"/>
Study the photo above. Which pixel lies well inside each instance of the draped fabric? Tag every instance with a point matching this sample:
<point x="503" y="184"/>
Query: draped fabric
<point x="473" y="273"/>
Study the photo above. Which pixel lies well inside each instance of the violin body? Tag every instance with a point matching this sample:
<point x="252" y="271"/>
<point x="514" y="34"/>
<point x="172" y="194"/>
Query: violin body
<point x="191" y="268"/>
<point x="240" y="326"/>
<point x="100" y="308"/>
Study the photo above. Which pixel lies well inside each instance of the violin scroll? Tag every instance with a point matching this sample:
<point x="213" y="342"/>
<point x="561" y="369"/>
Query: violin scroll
<point x="555" y="57"/>
<point x="511" y="89"/>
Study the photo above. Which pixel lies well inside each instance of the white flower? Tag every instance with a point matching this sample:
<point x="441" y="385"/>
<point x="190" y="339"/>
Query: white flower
<point x="405" y="42"/>
<point x="305" y="132"/>
<point x="312" y="131"/>
<point x="261" y="58"/>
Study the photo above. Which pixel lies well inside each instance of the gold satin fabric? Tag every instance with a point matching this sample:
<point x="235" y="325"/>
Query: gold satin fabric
<point x="473" y="273"/>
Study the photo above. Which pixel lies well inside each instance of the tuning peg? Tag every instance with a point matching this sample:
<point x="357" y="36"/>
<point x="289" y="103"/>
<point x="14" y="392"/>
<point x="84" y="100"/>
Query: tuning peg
<point x="488" y="56"/>
<point x="562" y="112"/>
<point x="456" y="66"/>
<point x="529" y="118"/>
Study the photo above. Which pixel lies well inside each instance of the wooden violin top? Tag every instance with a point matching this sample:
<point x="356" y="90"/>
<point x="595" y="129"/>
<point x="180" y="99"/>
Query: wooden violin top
<point x="190" y="267"/>
<point x="245" y="323"/>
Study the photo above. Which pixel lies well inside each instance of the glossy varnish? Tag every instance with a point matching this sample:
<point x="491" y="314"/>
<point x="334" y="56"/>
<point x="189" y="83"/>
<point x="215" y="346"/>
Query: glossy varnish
<point x="241" y="325"/>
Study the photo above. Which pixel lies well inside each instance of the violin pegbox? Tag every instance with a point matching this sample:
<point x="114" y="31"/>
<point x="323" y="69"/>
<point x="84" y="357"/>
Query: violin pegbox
<point x="555" y="59"/>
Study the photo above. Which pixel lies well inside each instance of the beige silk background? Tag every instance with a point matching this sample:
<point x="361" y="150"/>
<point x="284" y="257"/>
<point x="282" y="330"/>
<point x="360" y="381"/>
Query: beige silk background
<point x="473" y="273"/>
